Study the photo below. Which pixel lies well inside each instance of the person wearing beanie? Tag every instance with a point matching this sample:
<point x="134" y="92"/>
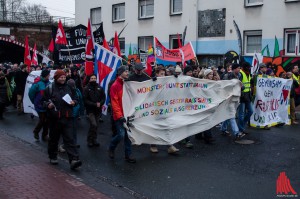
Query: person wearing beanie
<point x="94" y="98"/>
<point x="36" y="93"/>
<point x="60" y="118"/>
<point x="208" y="72"/>
<point x="116" y="94"/>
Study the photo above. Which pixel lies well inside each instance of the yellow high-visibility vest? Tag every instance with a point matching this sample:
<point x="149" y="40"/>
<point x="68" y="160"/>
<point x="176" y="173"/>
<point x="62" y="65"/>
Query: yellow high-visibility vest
<point x="296" y="78"/>
<point x="246" y="82"/>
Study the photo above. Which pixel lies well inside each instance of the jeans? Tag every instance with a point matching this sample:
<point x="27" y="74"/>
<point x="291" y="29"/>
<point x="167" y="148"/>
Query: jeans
<point x="121" y="134"/>
<point x="245" y="111"/>
<point x="234" y="126"/>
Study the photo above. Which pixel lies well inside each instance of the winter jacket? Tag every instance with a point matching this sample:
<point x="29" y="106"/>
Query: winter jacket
<point x="92" y="95"/>
<point x="36" y="94"/>
<point x="3" y="92"/>
<point x="138" y="78"/>
<point x="20" y="80"/>
<point x="116" y="93"/>
<point x="54" y="93"/>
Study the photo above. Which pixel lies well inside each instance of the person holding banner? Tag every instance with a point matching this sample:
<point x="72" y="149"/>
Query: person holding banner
<point x="116" y="93"/>
<point x="234" y="74"/>
<point x="295" y="85"/>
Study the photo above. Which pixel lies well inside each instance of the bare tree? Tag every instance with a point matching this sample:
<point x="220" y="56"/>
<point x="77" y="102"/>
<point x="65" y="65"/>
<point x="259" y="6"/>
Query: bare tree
<point x="35" y="13"/>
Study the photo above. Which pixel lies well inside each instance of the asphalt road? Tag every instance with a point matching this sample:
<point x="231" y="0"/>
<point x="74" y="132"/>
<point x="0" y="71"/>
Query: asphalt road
<point x="223" y="170"/>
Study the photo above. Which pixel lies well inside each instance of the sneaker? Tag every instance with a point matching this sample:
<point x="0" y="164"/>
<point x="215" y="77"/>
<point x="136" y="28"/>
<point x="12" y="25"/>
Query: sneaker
<point x="267" y="128"/>
<point x="61" y="148"/>
<point x="239" y="136"/>
<point x="97" y="144"/>
<point x="189" y="145"/>
<point x="111" y="154"/>
<point x="294" y="122"/>
<point x="172" y="149"/>
<point x="53" y="161"/>
<point x="36" y="136"/>
<point x="226" y="133"/>
<point x="75" y="164"/>
<point x="153" y="149"/>
<point x="130" y="159"/>
<point x="45" y="138"/>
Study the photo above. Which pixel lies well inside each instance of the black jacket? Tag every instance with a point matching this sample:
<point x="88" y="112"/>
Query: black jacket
<point x="3" y="92"/>
<point x="92" y="95"/>
<point x="138" y="78"/>
<point x="54" y="93"/>
<point x="20" y="80"/>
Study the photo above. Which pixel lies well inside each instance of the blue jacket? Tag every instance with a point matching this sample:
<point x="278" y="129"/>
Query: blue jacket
<point x="36" y="94"/>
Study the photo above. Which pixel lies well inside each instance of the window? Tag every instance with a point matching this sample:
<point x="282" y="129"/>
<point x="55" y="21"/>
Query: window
<point x="118" y="12"/>
<point x="292" y="42"/>
<point x="146" y="8"/>
<point x="211" y="23"/>
<point x="252" y="42"/>
<point x="96" y="16"/>
<point x="173" y="41"/>
<point x="176" y="7"/>
<point x="254" y="2"/>
<point x="144" y="42"/>
<point x="122" y="45"/>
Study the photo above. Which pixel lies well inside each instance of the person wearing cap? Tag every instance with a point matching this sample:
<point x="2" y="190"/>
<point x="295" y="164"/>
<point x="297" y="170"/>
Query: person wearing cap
<point x="116" y="93"/>
<point x="94" y="98"/>
<point x="234" y="74"/>
<point x="59" y="113"/>
<point x="36" y="93"/>
<point x="139" y="75"/>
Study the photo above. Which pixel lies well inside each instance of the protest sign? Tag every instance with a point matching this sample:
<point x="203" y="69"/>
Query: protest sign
<point x="170" y="109"/>
<point x="182" y="54"/>
<point x="271" y="104"/>
<point x="28" y="106"/>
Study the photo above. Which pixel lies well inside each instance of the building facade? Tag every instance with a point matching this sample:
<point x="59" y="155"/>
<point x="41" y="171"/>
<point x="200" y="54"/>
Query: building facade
<point x="210" y="25"/>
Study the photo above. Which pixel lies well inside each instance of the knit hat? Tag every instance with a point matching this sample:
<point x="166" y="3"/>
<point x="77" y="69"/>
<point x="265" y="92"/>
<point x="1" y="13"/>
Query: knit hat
<point x="59" y="73"/>
<point x="71" y="83"/>
<point x="122" y="69"/>
<point x="262" y="65"/>
<point x="178" y="69"/>
<point x="207" y="71"/>
<point x="187" y="69"/>
<point x="138" y="66"/>
<point x="234" y="66"/>
<point x="45" y="73"/>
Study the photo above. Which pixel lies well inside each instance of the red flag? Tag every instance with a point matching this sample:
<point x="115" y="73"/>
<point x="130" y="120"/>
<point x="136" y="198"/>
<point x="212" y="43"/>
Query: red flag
<point x="89" y="55"/>
<point x="105" y="44"/>
<point x="34" y="60"/>
<point x="27" y="58"/>
<point x="117" y="49"/>
<point x="51" y="46"/>
<point x="179" y="41"/>
<point x="60" y="35"/>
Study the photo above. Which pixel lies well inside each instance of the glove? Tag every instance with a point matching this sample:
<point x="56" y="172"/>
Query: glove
<point x="122" y="119"/>
<point x="154" y="78"/>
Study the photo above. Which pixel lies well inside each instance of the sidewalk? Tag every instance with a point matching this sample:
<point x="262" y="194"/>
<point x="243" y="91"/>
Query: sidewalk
<point x="24" y="173"/>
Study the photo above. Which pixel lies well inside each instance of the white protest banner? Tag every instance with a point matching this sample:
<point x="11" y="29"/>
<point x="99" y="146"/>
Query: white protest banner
<point x="170" y="109"/>
<point x="28" y="106"/>
<point x="271" y="104"/>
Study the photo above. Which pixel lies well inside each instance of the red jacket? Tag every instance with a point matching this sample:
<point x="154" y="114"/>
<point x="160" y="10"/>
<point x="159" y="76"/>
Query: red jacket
<point x="116" y="93"/>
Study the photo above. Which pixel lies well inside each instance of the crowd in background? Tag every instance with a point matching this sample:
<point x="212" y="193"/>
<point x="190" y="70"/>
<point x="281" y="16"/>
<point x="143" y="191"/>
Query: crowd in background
<point x="88" y="97"/>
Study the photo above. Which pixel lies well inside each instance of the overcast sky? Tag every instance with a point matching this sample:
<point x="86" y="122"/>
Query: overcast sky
<point x="64" y="8"/>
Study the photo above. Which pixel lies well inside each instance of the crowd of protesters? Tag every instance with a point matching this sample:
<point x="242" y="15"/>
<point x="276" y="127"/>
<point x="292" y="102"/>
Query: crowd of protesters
<point x="57" y="117"/>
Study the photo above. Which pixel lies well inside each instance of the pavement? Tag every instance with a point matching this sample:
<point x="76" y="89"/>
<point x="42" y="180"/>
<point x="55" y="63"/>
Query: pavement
<point x="223" y="170"/>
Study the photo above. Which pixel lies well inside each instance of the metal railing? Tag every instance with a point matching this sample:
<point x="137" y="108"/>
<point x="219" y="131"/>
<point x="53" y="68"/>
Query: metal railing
<point x="18" y="17"/>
